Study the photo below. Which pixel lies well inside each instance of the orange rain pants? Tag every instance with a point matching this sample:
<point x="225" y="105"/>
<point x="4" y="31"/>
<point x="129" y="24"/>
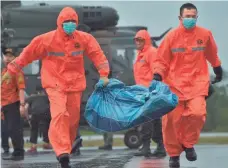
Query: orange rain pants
<point x="182" y="126"/>
<point x="65" y="114"/>
<point x="182" y="62"/>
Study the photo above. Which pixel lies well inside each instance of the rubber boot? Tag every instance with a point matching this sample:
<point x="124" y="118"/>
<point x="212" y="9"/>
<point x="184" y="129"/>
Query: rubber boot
<point x="16" y="156"/>
<point x="145" y="151"/>
<point x="190" y="154"/>
<point x="105" y="147"/>
<point x="159" y="151"/>
<point x="174" y="162"/>
<point x="64" y="160"/>
<point x="76" y="147"/>
<point x="77" y="152"/>
<point x="6" y="153"/>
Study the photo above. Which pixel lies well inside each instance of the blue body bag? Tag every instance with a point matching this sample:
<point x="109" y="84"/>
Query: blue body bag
<point x="117" y="107"/>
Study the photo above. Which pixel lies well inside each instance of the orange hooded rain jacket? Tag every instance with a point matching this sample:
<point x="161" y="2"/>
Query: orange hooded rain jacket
<point x="143" y="66"/>
<point x="182" y="62"/>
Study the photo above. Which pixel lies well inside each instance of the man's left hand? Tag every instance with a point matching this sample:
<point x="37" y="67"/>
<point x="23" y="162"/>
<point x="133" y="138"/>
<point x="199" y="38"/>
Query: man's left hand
<point x="218" y="72"/>
<point x="105" y="80"/>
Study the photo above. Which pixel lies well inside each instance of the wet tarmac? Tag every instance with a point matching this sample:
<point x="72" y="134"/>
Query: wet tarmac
<point x="209" y="156"/>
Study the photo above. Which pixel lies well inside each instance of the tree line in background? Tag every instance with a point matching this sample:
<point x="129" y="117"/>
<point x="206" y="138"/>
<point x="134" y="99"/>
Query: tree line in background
<point x="217" y="111"/>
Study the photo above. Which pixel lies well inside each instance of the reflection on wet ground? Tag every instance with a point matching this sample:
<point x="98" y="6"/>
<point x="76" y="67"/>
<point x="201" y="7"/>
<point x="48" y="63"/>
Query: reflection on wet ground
<point x="88" y="159"/>
<point x="210" y="156"/>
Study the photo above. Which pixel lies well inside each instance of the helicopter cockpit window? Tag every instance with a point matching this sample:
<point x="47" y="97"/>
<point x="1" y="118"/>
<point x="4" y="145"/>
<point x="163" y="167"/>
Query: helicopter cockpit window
<point x="123" y="56"/>
<point x="32" y="69"/>
<point x="92" y="14"/>
<point x="121" y="53"/>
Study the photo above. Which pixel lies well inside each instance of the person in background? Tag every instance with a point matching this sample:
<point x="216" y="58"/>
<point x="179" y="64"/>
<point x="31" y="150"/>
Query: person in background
<point x="182" y="64"/>
<point x="143" y="73"/>
<point x="13" y="105"/>
<point x="38" y="106"/>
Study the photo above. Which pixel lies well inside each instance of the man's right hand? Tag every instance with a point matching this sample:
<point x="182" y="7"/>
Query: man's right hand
<point x="157" y="77"/>
<point x="105" y="80"/>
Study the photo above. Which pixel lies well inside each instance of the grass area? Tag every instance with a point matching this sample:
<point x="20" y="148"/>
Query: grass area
<point x="214" y="140"/>
<point x="119" y="142"/>
<point x="87" y="132"/>
<point x="95" y="143"/>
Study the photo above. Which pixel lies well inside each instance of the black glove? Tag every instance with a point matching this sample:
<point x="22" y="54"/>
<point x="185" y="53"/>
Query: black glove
<point x="211" y="90"/>
<point x="218" y="72"/>
<point x="157" y="77"/>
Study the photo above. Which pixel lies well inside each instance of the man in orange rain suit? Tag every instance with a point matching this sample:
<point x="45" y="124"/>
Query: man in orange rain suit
<point x="63" y="76"/>
<point x="143" y="72"/>
<point x="182" y="63"/>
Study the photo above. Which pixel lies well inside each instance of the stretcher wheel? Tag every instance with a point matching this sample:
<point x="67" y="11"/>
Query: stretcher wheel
<point x="132" y="139"/>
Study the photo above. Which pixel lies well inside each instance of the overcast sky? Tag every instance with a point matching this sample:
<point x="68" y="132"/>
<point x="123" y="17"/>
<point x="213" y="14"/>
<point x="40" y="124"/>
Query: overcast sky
<point x="159" y="16"/>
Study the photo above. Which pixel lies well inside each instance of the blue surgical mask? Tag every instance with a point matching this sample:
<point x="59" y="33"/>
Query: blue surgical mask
<point x="69" y="27"/>
<point x="189" y="22"/>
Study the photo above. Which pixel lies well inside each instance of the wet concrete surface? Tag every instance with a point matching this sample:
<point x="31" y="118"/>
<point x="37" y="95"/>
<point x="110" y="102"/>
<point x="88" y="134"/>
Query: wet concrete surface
<point x="209" y="156"/>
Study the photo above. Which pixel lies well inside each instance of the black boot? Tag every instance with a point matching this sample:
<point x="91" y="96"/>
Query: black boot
<point x="145" y="150"/>
<point x="106" y="147"/>
<point x="76" y="147"/>
<point x="159" y="151"/>
<point x="5" y="153"/>
<point x="64" y="160"/>
<point x="190" y="154"/>
<point x="16" y="156"/>
<point x="174" y="162"/>
<point x="77" y="152"/>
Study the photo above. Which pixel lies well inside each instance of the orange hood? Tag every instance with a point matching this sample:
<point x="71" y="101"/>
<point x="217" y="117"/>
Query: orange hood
<point x="146" y="36"/>
<point x="66" y="13"/>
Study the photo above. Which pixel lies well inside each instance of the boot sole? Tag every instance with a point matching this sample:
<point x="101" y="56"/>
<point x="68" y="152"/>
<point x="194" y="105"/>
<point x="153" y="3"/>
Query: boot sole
<point x="174" y="165"/>
<point x="191" y="159"/>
